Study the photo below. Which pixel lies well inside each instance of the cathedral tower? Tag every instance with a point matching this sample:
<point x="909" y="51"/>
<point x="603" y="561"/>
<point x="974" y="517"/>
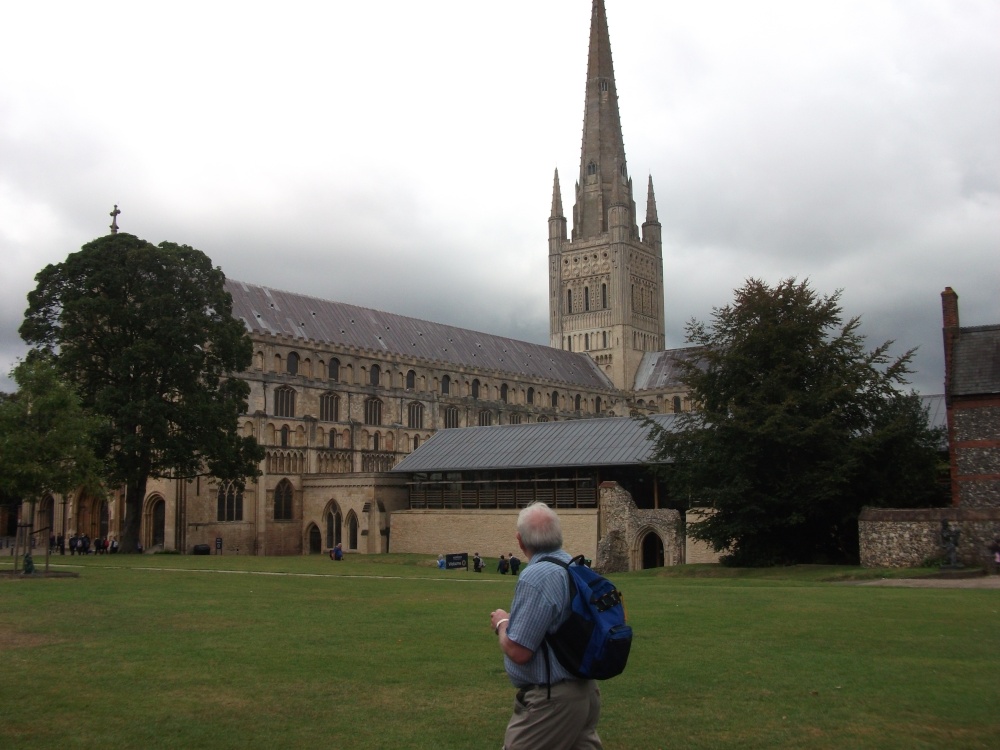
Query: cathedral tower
<point x="605" y="281"/>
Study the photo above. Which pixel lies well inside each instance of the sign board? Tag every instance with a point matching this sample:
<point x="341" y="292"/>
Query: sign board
<point x="218" y="543"/>
<point x="457" y="560"/>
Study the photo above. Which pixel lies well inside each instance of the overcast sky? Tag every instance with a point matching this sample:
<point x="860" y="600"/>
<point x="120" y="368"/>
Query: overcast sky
<point x="399" y="155"/>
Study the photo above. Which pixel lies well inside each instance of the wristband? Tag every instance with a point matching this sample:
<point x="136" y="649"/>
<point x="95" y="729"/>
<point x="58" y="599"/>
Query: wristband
<point x="497" y="629"/>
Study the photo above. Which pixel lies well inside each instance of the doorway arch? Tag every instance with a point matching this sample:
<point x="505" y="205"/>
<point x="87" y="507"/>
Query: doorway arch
<point x="315" y="539"/>
<point x="651" y="550"/>
<point x="155" y="526"/>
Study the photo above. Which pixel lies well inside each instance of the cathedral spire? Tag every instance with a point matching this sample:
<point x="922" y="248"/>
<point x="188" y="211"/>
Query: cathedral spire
<point x="651" y="217"/>
<point x="557" y="209"/>
<point x="602" y="156"/>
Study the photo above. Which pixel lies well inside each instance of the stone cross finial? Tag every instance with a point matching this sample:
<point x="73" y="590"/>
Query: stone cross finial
<point x="114" y="219"/>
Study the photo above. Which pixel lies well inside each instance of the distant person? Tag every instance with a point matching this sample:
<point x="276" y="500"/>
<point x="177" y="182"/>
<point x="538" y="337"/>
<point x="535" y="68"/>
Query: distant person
<point x="995" y="549"/>
<point x="553" y="710"/>
<point x="441" y="564"/>
<point x="337" y="553"/>
<point x="515" y="564"/>
<point x="477" y="563"/>
<point x="503" y="566"/>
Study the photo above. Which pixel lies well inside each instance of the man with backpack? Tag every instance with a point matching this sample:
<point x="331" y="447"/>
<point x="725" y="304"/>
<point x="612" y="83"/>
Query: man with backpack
<point x="553" y="708"/>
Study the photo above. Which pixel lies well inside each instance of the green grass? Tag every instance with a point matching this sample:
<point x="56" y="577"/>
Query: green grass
<point x="388" y="652"/>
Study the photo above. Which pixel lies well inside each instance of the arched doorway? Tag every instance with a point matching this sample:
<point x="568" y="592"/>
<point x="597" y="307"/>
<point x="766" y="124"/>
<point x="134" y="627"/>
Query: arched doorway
<point x="155" y="532"/>
<point x="652" y="551"/>
<point x="315" y="540"/>
<point x="46" y="518"/>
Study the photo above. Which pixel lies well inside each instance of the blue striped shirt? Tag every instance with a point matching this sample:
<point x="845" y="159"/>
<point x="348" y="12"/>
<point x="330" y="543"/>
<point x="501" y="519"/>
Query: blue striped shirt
<point x="541" y="604"/>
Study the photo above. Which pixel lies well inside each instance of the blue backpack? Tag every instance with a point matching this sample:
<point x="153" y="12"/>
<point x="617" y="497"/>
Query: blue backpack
<point x="594" y="641"/>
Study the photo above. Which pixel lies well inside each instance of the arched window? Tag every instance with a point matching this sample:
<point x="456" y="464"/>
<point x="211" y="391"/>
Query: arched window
<point x="592" y="168"/>
<point x="415" y="416"/>
<point x="485" y="418"/>
<point x="597" y="405"/>
<point x="604" y="339"/>
<point x="293" y="363"/>
<point x="531" y="395"/>
<point x="284" y="402"/>
<point x="677" y="404"/>
<point x="334" y="438"/>
<point x="334" y="370"/>
<point x="503" y="393"/>
<point x="475" y="388"/>
<point x="569" y="300"/>
<point x="376" y="442"/>
<point x="586" y="342"/>
<point x="285" y="432"/>
<point x="373" y="411"/>
<point x="334" y="521"/>
<point x="451" y="417"/>
<point x="329" y="407"/>
<point x="445" y="385"/>
<point x="576" y="402"/>
<point x="230" y="502"/>
<point x="375" y="376"/>
<point x="352" y="531"/>
<point x="283" y="501"/>
<point x="411" y="380"/>
<point x="604" y="296"/>
<point x="416" y="442"/>
<point x="586" y="298"/>
<point x="555" y="399"/>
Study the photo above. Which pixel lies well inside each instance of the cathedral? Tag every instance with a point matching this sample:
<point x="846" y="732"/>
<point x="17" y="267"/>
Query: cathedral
<point x="340" y="394"/>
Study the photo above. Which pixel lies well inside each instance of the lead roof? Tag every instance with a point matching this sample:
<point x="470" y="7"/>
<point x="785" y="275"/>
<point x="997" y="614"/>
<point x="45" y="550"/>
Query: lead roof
<point x="613" y="441"/>
<point x="271" y="311"/>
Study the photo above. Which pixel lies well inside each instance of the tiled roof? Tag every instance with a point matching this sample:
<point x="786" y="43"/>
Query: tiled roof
<point x="659" y="370"/>
<point x="614" y="441"/>
<point x="975" y="363"/>
<point x="271" y="311"/>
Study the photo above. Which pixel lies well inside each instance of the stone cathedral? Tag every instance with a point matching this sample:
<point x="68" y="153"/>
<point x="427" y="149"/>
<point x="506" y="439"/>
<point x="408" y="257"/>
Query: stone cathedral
<point x="340" y="394"/>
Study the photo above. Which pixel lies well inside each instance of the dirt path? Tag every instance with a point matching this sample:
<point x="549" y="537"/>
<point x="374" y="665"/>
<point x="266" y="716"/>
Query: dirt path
<point x="979" y="582"/>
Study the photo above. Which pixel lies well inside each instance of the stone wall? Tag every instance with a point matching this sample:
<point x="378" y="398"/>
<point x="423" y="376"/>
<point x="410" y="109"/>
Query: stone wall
<point x="625" y="528"/>
<point x="489" y="532"/>
<point x="901" y="538"/>
<point x="697" y="551"/>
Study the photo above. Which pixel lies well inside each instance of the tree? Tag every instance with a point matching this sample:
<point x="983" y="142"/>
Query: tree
<point x="45" y="435"/>
<point x="146" y="335"/>
<point x="798" y="427"/>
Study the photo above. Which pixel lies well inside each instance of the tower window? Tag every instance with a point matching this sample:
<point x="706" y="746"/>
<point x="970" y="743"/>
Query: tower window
<point x="591" y="168"/>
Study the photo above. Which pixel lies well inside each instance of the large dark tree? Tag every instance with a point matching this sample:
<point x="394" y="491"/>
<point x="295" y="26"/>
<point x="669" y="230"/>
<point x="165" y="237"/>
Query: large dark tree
<point x="146" y="335"/>
<point x="798" y="426"/>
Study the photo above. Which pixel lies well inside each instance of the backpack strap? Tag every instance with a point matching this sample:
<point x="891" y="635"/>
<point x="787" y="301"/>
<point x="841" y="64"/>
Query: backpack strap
<point x="545" y="641"/>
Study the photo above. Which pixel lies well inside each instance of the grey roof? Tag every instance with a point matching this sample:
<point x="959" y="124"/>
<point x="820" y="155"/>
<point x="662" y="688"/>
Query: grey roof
<point x="271" y="311"/>
<point x="659" y="370"/>
<point x="614" y="441"/>
<point x="975" y="363"/>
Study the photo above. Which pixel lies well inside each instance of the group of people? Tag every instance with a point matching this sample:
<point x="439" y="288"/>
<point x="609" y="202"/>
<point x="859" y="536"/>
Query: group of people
<point x="83" y="545"/>
<point x="509" y="564"/>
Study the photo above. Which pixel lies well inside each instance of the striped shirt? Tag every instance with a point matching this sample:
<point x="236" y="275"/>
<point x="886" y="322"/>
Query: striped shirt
<point x="541" y="604"/>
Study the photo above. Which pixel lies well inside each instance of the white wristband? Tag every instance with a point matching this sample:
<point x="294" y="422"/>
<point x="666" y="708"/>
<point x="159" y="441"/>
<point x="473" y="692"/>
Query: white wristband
<point x="497" y="630"/>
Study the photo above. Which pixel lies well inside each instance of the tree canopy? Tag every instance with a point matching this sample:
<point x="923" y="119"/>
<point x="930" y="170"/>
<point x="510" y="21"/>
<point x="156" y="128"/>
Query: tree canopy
<point x="797" y="427"/>
<point x="45" y="435"/>
<point x="145" y="334"/>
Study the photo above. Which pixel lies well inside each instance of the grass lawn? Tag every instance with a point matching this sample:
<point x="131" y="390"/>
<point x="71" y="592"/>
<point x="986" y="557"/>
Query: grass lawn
<point x="169" y="651"/>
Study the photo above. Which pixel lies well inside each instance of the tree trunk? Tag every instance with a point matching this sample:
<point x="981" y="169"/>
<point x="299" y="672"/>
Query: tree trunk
<point x="131" y="538"/>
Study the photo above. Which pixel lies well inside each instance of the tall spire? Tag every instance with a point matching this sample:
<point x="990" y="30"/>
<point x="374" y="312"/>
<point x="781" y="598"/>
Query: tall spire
<point x="602" y="156"/>
<point x="557" y="209"/>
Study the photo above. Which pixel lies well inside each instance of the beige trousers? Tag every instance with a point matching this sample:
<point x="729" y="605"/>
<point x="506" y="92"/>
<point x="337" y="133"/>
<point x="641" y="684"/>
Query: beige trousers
<point x="565" y="721"/>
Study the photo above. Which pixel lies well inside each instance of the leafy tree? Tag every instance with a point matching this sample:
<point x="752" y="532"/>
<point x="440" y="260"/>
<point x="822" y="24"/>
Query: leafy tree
<point x="798" y="427"/>
<point x="45" y="435"/>
<point x="146" y="335"/>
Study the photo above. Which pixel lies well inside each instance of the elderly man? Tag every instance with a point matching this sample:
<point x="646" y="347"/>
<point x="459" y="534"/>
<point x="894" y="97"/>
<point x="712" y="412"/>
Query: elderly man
<point x="552" y="708"/>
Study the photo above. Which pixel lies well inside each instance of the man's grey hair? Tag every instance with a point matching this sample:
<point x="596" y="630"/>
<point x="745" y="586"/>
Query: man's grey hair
<point x="539" y="528"/>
